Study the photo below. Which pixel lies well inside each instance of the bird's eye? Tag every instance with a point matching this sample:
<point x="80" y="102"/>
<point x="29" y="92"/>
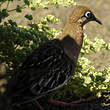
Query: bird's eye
<point x="88" y="14"/>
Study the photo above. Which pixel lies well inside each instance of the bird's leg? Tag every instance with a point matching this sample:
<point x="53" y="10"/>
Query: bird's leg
<point x="66" y="103"/>
<point x="38" y="105"/>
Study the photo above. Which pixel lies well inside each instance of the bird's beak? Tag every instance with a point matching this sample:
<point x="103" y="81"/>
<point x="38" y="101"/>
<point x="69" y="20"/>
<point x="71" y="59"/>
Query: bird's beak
<point x="97" y="20"/>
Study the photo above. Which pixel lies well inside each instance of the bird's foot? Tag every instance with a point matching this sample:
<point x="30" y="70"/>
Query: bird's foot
<point x="38" y="105"/>
<point x="66" y="103"/>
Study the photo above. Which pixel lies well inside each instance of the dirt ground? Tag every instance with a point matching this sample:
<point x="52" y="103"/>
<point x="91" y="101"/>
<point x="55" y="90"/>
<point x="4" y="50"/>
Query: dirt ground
<point x="102" y="11"/>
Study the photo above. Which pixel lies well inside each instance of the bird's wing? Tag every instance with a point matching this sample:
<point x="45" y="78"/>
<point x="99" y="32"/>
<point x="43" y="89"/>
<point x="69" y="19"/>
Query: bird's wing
<point x="45" y="70"/>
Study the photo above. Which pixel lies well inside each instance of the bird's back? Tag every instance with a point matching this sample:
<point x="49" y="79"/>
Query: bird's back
<point x="44" y="71"/>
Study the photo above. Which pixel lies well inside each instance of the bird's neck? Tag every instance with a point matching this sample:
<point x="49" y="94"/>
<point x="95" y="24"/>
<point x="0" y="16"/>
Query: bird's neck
<point x="72" y="39"/>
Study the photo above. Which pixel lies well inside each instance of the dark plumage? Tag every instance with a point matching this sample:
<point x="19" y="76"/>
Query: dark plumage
<point x="45" y="70"/>
<point x="52" y="64"/>
<point x="5" y="102"/>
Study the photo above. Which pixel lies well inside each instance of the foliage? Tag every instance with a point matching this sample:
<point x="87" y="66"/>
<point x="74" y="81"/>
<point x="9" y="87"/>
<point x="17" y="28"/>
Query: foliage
<point x="45" y="3"/>
<point x="16" y="42"/>
<point x="96" y="46"/>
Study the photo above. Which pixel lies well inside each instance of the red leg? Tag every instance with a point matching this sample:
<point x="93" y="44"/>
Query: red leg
<point x="38" y="105"/>
<point x="65" y="103"/>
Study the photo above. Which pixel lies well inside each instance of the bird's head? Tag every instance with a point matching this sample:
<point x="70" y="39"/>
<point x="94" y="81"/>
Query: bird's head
<point x="82" y="15"/>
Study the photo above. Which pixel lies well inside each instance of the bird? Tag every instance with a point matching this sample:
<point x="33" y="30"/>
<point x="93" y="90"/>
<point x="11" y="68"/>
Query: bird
<point x="53" y="63"/>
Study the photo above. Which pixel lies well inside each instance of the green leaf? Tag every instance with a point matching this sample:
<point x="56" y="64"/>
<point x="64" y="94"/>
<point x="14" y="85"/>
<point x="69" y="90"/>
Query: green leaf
<point x="33" y="8"/>
<point x="29" y="16"/>
<point x="12" y="22"/>
<point x="19" y="8"/>
<point x="4" y="13"/>
<point x="27" y="2"/>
